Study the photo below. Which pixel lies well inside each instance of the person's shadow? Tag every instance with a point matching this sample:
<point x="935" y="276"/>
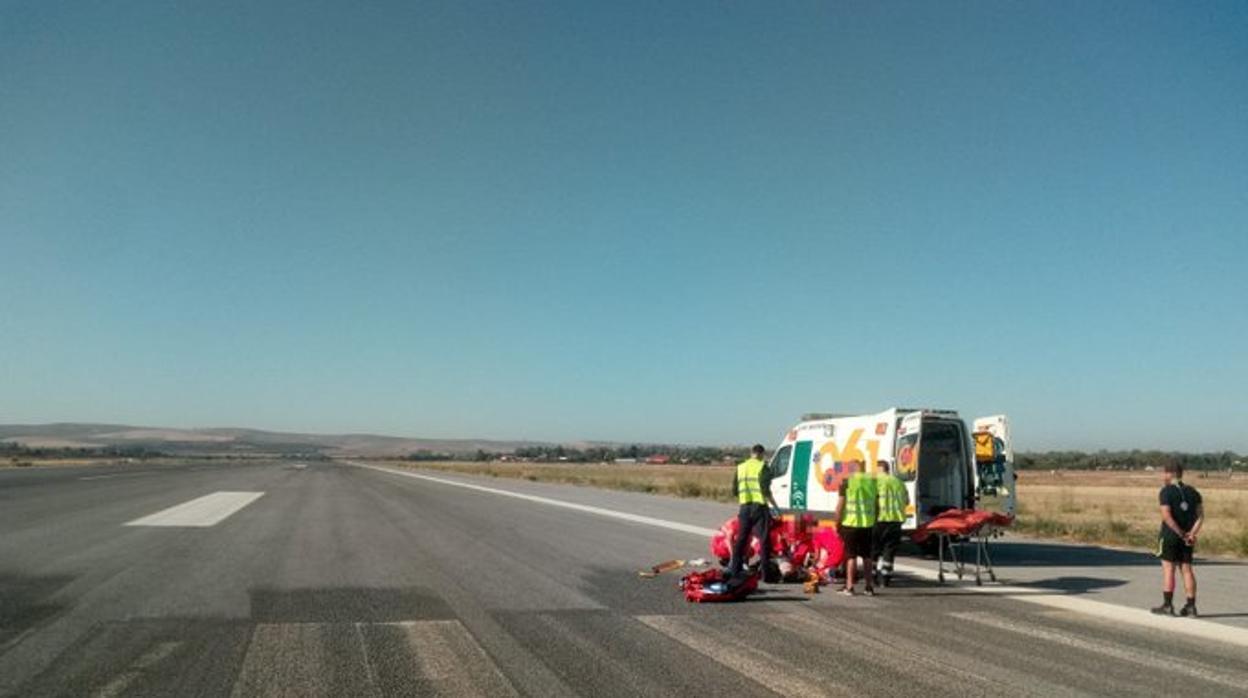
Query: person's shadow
<point x="1073" y="585"/>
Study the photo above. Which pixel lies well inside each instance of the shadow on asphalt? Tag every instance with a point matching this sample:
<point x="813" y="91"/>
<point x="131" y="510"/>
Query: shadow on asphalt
<point x="1073" y="585"/>
<point x="24" y="603"/>
<point x="1017" y="554"/>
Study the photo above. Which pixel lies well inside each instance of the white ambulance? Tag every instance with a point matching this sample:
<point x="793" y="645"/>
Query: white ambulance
<point x="943" y="464"/>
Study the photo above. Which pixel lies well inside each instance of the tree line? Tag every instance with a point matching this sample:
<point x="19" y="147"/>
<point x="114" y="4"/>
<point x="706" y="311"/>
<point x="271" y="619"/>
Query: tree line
<point x="555" y="453"/>
<point x="17" y="450"/>
<point x="1128" y="460"/>
<point x="705" y="455"/>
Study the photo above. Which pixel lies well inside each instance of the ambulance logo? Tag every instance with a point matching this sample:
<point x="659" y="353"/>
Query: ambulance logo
<point x="908" y="459"/>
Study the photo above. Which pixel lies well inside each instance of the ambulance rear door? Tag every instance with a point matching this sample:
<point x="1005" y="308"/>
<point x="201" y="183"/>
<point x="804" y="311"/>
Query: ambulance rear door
<point x="906" y="460"/>
<point x="994" y="465"/>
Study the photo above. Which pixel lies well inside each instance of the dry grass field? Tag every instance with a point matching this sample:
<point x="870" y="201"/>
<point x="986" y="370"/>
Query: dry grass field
<point x="1117" y="508"/>
<point x="1109" y="508"/>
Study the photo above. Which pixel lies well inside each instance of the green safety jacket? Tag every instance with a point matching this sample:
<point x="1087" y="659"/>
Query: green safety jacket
<point x="749" y="485"/>
<point x="892" y="498"/>
<point x="860" y="501"/>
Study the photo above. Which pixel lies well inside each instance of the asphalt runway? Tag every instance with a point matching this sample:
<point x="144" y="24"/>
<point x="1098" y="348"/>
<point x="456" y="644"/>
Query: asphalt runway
<point x="268" y="579"/>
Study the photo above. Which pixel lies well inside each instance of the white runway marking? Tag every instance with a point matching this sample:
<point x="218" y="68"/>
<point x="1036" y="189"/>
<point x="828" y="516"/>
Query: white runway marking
<point x="1140" y="617"/>
<point x="452" y="660"/>
<point x="113" y="475"/>
<point x="284" y="660"/>
<point x="150" y="658"/>
<point x="294" y="659"/>
<point x="1199" y="629"/>
<point x="208" y="510"/>
<point x="1204" y="672"/>
<point x="635" y="518"/>
<point x="740" y="656"/>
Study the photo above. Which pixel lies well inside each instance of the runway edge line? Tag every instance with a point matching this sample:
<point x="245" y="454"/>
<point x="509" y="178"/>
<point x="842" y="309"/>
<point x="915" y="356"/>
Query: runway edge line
<point x="1200" y="629"/>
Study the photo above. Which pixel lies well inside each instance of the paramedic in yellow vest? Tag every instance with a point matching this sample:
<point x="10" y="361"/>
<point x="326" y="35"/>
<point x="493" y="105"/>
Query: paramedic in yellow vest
<point x="891" y="514"/>
<point x="752" y="486"/>
<point x="856" y="513"/>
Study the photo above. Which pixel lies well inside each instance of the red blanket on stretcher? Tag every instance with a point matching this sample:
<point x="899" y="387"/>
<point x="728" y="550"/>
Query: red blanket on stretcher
<point x="960" y="522"/>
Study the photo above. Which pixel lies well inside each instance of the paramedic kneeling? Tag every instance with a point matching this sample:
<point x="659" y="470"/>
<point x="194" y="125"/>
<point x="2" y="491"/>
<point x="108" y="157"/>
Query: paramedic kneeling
<point x="893" y="499"/>
<point x="856" y="514"/>
<point x="1182" y="515"/>
<point x="752" y="486"/>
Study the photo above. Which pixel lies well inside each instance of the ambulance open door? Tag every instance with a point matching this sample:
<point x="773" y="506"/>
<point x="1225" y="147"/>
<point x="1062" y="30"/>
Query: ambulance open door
<point x="994" y="465"/>
<point x="906" y="459"/>
<point x="782" y="476"/>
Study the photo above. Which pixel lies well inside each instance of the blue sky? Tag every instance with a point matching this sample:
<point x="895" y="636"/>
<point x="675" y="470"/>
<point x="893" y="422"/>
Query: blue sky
<point x="632" y="221"/>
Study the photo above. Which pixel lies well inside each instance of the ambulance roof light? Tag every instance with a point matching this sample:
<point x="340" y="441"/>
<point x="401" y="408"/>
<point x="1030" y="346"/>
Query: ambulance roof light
<point x="814" y="416"/>
<point x="817" y="416"/>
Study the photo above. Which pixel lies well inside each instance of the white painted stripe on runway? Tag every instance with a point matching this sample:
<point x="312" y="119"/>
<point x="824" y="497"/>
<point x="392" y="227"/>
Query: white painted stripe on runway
<point x="742" y="657"/>
<point x="1201" y="629"/>
<point x="1197" y="670"/>
<point x="611" y="513"/>
<point x="208" y="510"/>
<point x="113" y="475"/>
<point x="1140" y="617"/>
<point x="907" y="656"/>
<point x="452" y="660"/>
<point x="149" y="659"/>
<point x="284" y="659"/>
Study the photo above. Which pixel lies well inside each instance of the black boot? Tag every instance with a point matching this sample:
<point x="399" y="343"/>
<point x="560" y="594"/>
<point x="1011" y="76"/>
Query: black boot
<point x="1163" y="610"/>
<point x="1189" y="609"/>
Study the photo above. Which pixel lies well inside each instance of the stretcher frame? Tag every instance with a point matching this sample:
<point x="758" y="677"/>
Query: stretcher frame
<point x="979" y="538"/>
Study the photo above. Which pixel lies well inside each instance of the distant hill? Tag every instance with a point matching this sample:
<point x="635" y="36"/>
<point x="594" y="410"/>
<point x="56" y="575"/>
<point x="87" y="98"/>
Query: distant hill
<point x="237" y="441"/>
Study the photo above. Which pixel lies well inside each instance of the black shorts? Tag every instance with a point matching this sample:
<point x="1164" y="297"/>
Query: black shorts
<point x="857" y="541"/>
<point x="1173" y="549"/>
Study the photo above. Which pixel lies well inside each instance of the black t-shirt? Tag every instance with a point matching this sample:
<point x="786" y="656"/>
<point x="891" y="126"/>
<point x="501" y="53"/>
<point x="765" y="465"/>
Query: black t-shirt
<point x="1183" y="501"/>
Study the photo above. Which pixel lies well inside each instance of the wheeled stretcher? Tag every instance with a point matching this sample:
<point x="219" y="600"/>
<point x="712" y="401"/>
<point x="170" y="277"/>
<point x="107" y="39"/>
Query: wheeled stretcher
<point x="957" y="529"/>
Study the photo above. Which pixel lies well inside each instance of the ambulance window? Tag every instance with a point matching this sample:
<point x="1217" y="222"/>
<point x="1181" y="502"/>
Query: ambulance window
<point x="780" y="462"/>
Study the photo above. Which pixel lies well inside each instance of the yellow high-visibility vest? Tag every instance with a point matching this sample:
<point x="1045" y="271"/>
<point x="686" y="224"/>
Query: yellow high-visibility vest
<point x="892" y="498"/>
<point x="860" y="501"/>
<point x="749" y="489"/>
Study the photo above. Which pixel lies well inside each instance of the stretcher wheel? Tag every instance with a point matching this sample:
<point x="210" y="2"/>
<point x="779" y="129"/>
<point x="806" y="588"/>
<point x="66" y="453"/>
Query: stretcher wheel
<point x="978" y="582"/>
<point x="941" y="577"/>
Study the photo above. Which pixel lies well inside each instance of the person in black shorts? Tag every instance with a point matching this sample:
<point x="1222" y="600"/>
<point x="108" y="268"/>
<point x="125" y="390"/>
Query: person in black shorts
<point x="856" y="507"/>
<point x="1182" y="515"/>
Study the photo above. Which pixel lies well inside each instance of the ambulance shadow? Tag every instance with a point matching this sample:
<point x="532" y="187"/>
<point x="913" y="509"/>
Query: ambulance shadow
<point x="910" y="586"/>
<point x="1007" y="553"/>
<point x="1073" y="585"/>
